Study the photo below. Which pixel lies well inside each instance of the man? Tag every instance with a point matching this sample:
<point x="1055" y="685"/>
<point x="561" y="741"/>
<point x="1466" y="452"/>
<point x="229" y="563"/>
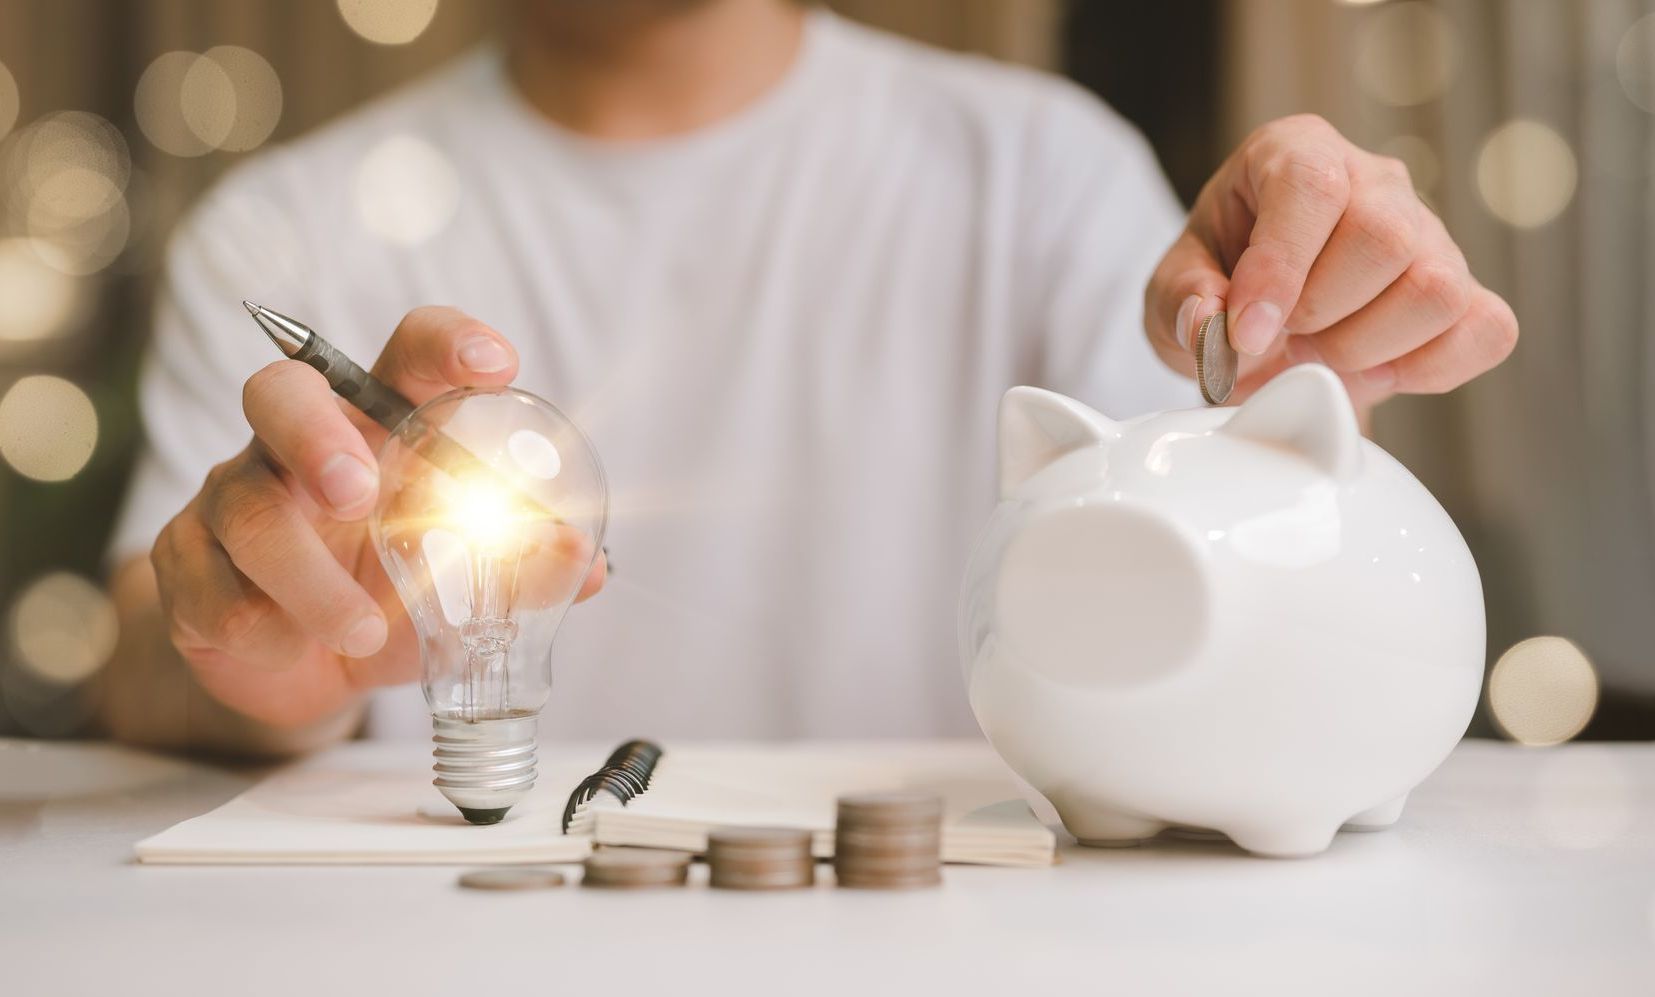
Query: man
<point x="781" y="268"/>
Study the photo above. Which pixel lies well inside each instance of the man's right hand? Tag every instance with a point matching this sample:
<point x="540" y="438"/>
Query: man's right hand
<point x="268" y="580"/>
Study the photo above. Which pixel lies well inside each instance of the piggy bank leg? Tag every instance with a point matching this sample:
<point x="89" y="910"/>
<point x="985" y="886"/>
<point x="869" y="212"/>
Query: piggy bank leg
<point x="1286" y="841"/>
<point x="1378" y="818"/>
<point x="1102" y="826"/>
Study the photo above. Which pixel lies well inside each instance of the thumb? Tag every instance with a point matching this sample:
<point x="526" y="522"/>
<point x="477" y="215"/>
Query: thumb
<point x="434" y="349"/>
<point x="1188" y="286"/>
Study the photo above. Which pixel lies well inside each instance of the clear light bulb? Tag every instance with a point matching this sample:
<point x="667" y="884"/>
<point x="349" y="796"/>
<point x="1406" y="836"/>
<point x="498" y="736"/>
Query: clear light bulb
<point x="491" y="514"/>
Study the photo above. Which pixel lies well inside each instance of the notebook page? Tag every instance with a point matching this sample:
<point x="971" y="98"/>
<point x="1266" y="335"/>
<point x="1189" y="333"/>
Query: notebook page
<point x="371" y="803"/>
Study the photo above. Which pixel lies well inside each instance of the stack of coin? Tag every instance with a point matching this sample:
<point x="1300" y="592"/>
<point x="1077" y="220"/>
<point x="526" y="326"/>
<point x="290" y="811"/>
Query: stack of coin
<point x="888" y="841"/>
<point x="633" y="868"/>
<point x="760" y="858"/>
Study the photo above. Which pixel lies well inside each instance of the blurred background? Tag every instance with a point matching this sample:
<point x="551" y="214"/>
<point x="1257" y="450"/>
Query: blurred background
<point x="1526" y="124"/>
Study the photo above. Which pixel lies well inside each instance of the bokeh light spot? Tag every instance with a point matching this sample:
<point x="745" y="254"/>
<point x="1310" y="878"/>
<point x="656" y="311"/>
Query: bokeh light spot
<point x="1543" y="691"/>
<point x="406" y="191"/>
<point x="1634" y="62"/>
<point x="1582" y="798"/>
<point x="64" y="141"/>
<point x="388" y="22"/>
<point x="1526" y="173"/>
<point x="231" y="98"/>
<point x="159" y="105"/>
<point x="63" y="628"/>
<point x="48" y="428"/>
<point x="65" y="180"/>
<point x="534" y="454"/>
<point x="1406" y="54"/>
<point x="10" y="101"/>
<point x="36" y="301"/>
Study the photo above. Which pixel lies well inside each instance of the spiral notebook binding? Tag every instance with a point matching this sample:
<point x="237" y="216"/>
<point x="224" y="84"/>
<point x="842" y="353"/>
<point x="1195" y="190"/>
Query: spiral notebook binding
<point x="626" y="774"/>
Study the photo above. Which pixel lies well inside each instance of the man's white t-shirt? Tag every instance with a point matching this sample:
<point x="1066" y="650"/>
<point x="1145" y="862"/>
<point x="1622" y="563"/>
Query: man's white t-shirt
<point x="786" y="335"/>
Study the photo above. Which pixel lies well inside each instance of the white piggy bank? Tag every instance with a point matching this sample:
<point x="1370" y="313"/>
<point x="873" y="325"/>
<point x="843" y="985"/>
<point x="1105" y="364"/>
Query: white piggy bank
<point x="1248" y="620"/>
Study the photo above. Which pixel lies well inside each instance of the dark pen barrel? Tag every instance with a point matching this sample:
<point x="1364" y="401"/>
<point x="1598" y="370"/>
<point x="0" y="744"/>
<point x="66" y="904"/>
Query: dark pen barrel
<point x="354" y="384"/>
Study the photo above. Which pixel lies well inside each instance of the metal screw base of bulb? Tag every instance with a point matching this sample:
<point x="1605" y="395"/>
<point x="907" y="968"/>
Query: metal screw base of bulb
<point x="484" y="767"/>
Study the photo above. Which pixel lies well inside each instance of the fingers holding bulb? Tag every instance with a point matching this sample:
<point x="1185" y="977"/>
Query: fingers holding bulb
<point x="437" y="348"/>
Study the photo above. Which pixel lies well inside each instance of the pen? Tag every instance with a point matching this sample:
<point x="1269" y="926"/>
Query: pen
<point x="376" y="399"/>
<point x="373" y="397"/>
<point x="379" y="401"/>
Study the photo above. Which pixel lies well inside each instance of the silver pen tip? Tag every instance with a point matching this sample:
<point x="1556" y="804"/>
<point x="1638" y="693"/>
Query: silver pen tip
<point x="289" y="335"/>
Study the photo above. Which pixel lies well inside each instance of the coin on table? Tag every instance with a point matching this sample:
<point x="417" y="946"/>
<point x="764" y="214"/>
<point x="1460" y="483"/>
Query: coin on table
<point x="635" y="867"/>
<point x="511" y="878"/>
<point x="1215" y="360"/>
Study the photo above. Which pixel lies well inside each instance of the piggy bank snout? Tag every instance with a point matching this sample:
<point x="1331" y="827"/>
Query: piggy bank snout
<point x="1101" y="595"/>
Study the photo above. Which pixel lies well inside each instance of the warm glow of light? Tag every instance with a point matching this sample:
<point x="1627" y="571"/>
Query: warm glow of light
<point x="63" y="628"/>
<point x="73" y="142"/>
<point x="406" y="191"/>
<point x="388" y="22"/>
<point x="65" y="179"/>
<point x="159" y="105"/>
<point x="1634" y="62"/>
<point x="1543" y="691"/>
<point x="1526" y="173"/>
<point x="484" y="513"/>
<point x="78" y="246"/>
<point x="230" y="98"/>
<point x="1406" y="54"/>
<point x="48" y="428"/>
<point x="36" y="301"/>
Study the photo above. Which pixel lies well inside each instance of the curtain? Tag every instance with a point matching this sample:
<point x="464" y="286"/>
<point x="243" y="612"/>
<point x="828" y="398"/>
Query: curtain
<point x="1527" y="127"/>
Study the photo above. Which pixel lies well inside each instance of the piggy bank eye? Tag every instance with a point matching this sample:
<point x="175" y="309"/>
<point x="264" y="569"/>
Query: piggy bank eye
<point x="1101" y="596"/>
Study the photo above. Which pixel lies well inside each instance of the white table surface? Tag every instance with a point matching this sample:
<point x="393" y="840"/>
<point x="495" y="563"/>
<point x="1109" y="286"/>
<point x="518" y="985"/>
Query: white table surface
<point x="1515" y="871"/>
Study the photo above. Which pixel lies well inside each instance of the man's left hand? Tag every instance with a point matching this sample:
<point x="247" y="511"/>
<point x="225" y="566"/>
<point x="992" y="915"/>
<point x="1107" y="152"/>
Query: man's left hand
<point x="1321" y="251"/>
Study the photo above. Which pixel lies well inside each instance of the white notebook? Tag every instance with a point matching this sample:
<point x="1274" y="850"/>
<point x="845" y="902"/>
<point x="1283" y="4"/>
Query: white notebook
<point x="373" y="803"/>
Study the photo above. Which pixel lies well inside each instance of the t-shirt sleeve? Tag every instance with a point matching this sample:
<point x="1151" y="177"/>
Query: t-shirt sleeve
<point x="1101" y="215"/>
<point x="237" y="243"/>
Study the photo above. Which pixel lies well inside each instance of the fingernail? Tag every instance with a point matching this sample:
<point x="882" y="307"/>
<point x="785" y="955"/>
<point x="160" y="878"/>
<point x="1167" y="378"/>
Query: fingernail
<point x="1380" y="378"/>
<point x="1300" y="349"/>
<point x="365" y="637"/>
<point x="346" y="482"/>
<point x="484" y="354"/>
<point x="1186" y="315"/>
<point x="1255" y="329"/>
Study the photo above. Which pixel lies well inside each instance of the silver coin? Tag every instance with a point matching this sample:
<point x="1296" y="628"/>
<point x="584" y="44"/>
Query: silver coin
<point x="1215" y="360"/>
<point x="511" y="879"/>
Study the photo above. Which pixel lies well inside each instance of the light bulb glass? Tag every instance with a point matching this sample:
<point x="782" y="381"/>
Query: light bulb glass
<point x="491" y="514"/>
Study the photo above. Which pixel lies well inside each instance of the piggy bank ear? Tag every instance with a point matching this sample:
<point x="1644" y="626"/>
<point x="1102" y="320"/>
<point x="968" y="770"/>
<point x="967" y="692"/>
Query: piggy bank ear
<point x="1037" y="427"/>
<point x="1304" y="409"/>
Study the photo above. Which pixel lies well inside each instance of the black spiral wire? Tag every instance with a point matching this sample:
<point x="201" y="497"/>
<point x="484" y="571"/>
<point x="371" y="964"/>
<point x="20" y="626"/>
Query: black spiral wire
<point x="625" y="775"/>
